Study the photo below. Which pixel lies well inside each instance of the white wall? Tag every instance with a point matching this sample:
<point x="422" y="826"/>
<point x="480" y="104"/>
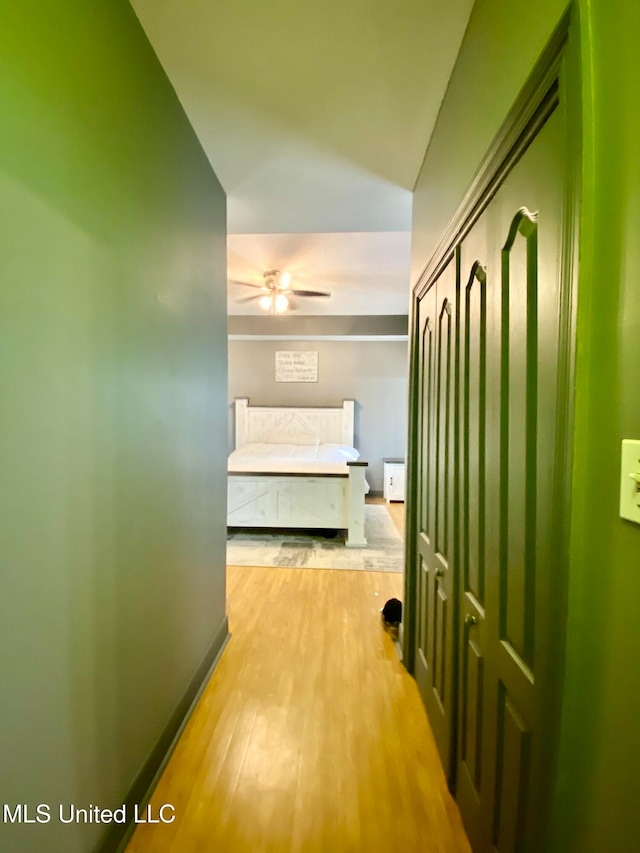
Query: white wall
<point x="373" y="373"/>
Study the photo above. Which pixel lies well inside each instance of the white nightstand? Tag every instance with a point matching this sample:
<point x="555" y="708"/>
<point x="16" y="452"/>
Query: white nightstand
<point x="393" y="479"/>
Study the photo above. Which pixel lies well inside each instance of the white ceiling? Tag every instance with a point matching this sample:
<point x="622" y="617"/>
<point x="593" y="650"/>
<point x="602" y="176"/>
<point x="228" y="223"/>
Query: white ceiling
<point x="315" y="115"/>
<point x="349" y="265"/>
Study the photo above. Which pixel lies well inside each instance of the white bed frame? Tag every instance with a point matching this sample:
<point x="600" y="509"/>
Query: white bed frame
<point x="329" y="501"/>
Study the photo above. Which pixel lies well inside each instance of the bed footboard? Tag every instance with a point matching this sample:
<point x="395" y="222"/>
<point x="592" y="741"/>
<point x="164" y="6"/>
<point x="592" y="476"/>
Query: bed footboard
<point x="355" y="530"/>
<point x="300" y="501"/>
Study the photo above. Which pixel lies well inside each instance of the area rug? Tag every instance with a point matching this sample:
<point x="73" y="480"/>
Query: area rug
<point x="310" y="549"/>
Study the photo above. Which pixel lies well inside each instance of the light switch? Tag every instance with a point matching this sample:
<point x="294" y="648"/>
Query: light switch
<point x="630" y="481"/>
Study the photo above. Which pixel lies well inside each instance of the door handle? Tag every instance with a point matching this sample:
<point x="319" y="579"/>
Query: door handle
<point x="470" y="620"/>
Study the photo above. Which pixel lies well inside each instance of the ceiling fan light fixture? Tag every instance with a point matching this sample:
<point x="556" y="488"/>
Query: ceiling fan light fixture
<point x="282" y="303"/>
<point x="277" y="297"/>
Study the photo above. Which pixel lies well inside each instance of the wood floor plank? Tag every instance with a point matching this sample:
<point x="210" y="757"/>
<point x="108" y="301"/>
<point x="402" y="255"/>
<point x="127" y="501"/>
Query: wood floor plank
<point x="310" y="736"/>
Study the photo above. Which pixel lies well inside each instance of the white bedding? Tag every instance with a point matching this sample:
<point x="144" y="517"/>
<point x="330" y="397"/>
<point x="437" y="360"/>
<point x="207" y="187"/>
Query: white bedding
<point x="293" y="459"/>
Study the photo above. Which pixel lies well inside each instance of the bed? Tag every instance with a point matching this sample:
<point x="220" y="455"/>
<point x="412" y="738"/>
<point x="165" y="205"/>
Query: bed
<point x="297" y="467"/>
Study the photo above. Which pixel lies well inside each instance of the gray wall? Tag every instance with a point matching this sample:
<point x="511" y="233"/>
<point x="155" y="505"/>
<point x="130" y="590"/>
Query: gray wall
<point x="113" y="391"/>
<point x="317" y="326"/>
<point x="373" y="373"/>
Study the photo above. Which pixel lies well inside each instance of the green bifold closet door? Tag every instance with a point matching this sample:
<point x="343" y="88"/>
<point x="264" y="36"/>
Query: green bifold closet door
<point x="489" y="409"/>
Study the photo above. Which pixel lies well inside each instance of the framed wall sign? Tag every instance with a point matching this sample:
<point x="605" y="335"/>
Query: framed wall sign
<point x="296" y="366"/>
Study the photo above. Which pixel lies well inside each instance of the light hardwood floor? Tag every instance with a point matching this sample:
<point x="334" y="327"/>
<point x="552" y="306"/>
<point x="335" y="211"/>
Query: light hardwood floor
<point x="395" y="510"/>
<point x="310" y="736"/>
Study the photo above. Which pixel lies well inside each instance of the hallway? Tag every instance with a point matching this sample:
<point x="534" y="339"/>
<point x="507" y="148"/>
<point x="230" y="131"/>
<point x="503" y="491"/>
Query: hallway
<point x="310" y="735"/>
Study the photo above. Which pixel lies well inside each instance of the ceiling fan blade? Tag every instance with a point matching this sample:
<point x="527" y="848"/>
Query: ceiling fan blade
<point x="308" y="293"/>
<point x="248" y="299"/>
<point x="245" y="283"/>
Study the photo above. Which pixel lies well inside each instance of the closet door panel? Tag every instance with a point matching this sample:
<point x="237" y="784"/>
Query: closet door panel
<point x="435" y="652"/>
<point x="509" y="511"/>
<point x="426" y="479"/>
<point x="477" y="562"/>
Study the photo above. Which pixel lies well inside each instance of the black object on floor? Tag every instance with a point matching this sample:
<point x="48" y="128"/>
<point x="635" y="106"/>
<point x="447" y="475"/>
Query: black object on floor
<point x="391" y="615"/>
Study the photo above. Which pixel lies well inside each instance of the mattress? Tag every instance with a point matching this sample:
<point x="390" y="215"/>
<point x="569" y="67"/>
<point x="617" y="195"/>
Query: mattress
<point x="292" y="459"/>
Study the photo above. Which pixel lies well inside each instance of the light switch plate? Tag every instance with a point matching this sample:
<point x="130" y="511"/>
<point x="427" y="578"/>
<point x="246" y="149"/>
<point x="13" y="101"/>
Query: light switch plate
<point x="629" y="487"/>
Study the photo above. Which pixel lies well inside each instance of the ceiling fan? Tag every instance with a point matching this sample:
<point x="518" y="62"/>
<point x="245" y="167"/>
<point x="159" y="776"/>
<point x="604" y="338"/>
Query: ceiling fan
<point x="276" y="293"/>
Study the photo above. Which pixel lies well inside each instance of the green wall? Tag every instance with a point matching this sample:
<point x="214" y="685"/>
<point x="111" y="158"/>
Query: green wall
<point x="113" y="409"/>
<point x="502" y="42"/>
<point x="598" y="771"/>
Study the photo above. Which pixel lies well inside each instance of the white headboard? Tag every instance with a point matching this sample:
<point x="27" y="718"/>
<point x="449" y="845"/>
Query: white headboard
<point x="333" y="425"/>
